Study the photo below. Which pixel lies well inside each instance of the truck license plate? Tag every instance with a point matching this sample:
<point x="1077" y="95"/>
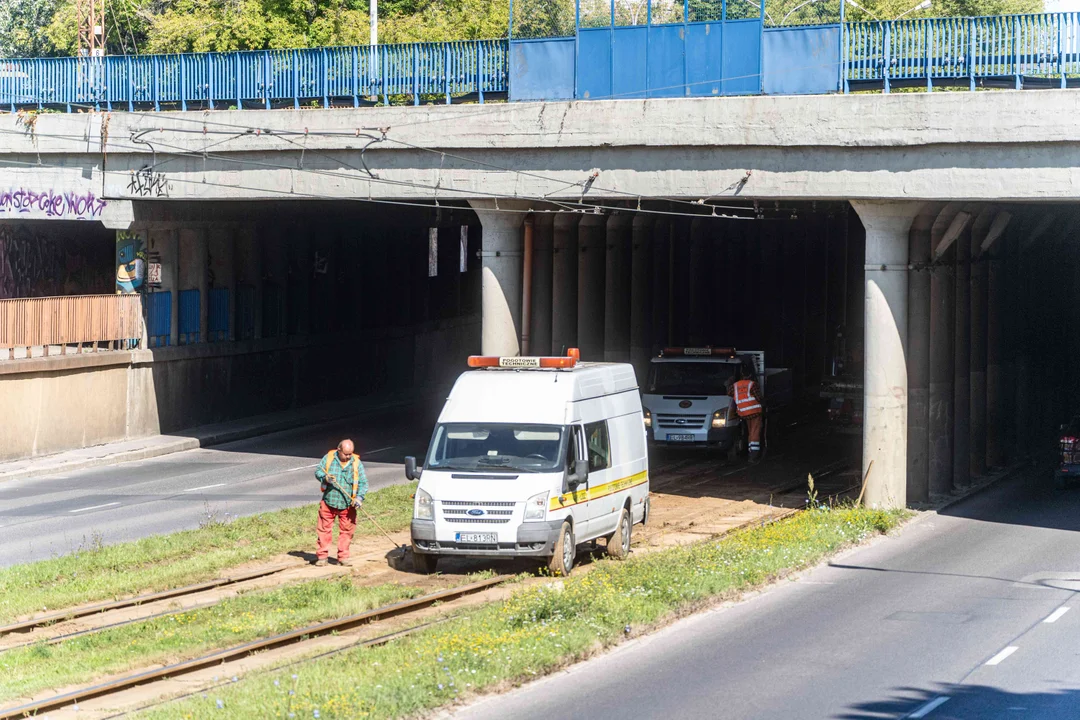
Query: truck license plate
<point x="478" y="538"/>
<point x="680" y="438"/>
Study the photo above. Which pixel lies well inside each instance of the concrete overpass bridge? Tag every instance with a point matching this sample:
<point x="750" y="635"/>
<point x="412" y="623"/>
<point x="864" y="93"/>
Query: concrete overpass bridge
<point x="934" y="229"/>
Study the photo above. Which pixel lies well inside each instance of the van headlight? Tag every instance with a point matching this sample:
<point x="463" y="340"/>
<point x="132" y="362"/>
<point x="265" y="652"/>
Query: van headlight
<point x="536" y="507"/>
<point x="719" y="419"/>
<point x="425" y="508"/>
<point x="648" y="417"/>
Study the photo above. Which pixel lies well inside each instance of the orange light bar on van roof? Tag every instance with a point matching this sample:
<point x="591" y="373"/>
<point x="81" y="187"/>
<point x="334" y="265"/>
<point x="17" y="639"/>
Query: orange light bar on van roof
<point x="559" y="363"/>
<point x="698" y="352"/>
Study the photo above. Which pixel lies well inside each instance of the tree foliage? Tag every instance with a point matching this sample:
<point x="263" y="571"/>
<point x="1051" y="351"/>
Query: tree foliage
<point x="34" y="28"/>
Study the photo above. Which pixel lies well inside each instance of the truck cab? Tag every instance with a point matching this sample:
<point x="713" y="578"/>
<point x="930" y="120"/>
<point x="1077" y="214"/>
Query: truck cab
<point x="532" y="457"/>
<point x="685" y="400"/>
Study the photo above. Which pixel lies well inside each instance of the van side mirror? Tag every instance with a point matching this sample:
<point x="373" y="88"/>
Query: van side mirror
<point x="411" y="471"/>
<point x="579" y="474"/>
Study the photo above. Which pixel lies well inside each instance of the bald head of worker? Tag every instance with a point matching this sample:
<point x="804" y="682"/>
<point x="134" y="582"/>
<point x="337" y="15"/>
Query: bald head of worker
<point x="345" y="449"/>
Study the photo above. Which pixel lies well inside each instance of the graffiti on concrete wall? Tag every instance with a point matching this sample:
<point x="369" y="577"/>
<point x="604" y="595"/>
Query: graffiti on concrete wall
<point x="44" y="259"/>
<point x="131" y="261"/>
<point x="147" y="183"/>
<point x="51" y="204"/>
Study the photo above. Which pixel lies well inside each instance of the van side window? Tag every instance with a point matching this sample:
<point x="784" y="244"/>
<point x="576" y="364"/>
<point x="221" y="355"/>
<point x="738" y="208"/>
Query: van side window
<point x="596" y="440"/>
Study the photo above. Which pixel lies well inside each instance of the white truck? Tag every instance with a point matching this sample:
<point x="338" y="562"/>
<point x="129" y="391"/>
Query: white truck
<point x="685" y="399"/>
<point x="532" y="457"/>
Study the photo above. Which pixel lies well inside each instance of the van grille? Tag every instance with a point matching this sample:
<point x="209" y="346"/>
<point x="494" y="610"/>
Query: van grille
<point x="496" y="512"/>
<point x="680" y="421"/>
<point x="477" y="521"/>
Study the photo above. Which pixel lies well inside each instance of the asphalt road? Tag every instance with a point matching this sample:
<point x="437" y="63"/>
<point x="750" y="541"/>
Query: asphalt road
<point x="969" y="614"/>
<point x="46" y="516"/>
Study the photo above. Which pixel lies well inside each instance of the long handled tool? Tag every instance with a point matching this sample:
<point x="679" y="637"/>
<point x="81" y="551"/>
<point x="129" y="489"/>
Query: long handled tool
<point x="360" y="506"/>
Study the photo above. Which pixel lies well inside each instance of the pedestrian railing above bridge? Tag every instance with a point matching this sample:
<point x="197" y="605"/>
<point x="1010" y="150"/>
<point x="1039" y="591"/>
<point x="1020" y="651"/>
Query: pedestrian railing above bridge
<point x="721" y="56"/>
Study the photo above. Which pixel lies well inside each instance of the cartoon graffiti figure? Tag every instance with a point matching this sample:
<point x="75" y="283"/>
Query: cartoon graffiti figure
<point x="130" y="263"/>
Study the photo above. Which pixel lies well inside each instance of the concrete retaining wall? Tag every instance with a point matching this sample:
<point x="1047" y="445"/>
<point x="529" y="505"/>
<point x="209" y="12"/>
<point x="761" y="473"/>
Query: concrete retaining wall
<point x="62" y="403"/>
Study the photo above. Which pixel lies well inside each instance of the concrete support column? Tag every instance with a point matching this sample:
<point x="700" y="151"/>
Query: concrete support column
<point x="564" y="272"/>
<point x="919" y="356"/>
<point x="641" y="294"/>
<point x="167" y="243"/>
<point x="946" y="229"/>
<point x="617" y="289"/>
<point x="977" y="365"/>
<point x="1012" y="322"/>
<point x="500" y="253"/>
<point x="592" y="281"/>
<point x="540" y="325"/>
<point x="661" y="289"/>
<point x="887" y="227"/>
<point x="995" y="348"/>
<point x="697" y="310"/>
<point x="962" y="363"/>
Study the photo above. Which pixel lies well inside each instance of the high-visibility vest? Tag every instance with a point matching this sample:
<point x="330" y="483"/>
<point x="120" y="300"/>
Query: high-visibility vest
<point x="354" y="462"/>
<point x="745" y="402"/>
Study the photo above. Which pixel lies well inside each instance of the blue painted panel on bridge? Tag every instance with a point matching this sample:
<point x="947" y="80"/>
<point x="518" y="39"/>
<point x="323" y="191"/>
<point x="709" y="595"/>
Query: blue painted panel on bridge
<point x="704" y="58"/>
<point x="666" y="61"/>
<point x="189" y="316"/>
<point x="158" y="317"/>
<point x="742" y="57"/>
<point x="542" y="69"/>
<point x="594" y="63"/>
<point x="630" y="54"/>
<point x="802" y="60"/>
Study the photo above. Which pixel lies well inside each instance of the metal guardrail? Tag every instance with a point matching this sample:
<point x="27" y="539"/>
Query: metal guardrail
<point x="70" y="321"/>
<point x="973" y="49"/>
<point x="264" y="78"/>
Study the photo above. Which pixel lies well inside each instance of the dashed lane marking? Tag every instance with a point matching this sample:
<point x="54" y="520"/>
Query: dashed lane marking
<point x="1002" y="655"/>
<point x="206" y="487"/>
<point x="1056" y="615"/>
<point x="929" y="707"/>
<point x="95" y="507"/>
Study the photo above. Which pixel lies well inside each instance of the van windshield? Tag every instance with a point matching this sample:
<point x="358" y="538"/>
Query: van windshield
<point x="497" y="447"/>
<point x="691" y="378"/>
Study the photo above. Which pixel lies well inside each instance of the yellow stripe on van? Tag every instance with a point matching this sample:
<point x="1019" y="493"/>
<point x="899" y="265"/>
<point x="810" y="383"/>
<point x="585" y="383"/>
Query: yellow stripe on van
<point x="576" y="497"/>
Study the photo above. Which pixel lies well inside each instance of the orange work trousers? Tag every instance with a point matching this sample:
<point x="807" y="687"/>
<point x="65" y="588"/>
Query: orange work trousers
<point x="346" y="527"/>
<point x="754" y="426"/>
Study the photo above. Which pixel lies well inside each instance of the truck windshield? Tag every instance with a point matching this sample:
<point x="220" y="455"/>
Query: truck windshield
<point x="497" y="447"/>
<point x="691" y="378"/>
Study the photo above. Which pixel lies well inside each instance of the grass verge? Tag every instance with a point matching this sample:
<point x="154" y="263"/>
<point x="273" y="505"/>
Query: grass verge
<point x="539" y="629"/>
<point x="177" y="637"/>
<point x="160" y="562"/>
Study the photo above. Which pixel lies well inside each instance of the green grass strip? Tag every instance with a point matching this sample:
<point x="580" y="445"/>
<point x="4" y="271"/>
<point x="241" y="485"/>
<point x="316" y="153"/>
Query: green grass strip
<point x="160" y="562"/>
<point x="168" y="639"/>
<point x="538" y="630"/>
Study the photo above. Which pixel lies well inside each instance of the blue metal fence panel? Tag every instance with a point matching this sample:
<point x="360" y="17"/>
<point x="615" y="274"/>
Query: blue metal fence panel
<point x="667" y="63"/>
<point x="802" y="60"/>
<point x="705" y="58"/>
<point x="158" y="307"/>
<point x="542" y="69"/>
<point x="742" y="57"/>
<point x="189" y="317"/>
<point x="594" y="63"/>
<point x="630" y="55"/>
<point x="217" y="324"/>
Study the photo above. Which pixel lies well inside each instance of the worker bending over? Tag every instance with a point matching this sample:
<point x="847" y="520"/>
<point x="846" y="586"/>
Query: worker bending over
<point x="751" y="408"/>
<point x="344" y="486"/>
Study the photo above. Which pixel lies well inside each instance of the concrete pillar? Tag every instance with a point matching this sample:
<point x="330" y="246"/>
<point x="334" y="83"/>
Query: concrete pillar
<point x="978" y="359"/>
<point x="641" y="294"/>
<point x="885" y="391"/>
<point x="962" y="363"/>
<point x="697" y="309"/>
<point x="540" y="325"/>
<point x="661" y="290"/>
<point x="617" y="289"/>
<point x="564" y="271"/>
<point x="592" y="281"/>
<point x="919" y="355"/>
<point x="1012" y="320"/>
<point x="501" y="284"/>
<point x="995" y="346"/>
<point x="942" y="342"/>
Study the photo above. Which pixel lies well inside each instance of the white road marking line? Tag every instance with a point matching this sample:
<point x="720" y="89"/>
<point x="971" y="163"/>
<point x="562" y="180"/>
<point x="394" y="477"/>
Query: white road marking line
<point x="206" y="487"/>
<point x="95" y="507"/>
<point x="302" y="467"/>
<point x="929" y="707"/>
<point x="1056" y="615"/>
<point x="379" y="450"/>
<point x="1002" y="655"/>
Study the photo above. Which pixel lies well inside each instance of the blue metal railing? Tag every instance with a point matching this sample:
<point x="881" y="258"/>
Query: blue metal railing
<point x="217" y="327"/>
<point x="972" y="49"/>
<point x="158" y="308"/>
<point x="264" y="78"/>
<point x="189" y="317"/>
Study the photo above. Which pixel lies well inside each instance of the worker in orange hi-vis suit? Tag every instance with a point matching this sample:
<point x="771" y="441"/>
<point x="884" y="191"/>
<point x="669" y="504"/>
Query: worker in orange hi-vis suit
<point x="750" y="407"/>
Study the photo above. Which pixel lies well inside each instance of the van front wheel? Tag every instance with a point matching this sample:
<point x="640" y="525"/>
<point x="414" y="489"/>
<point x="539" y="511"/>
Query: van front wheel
<point x="618" y="545"/>
<point x="562" y="561"/>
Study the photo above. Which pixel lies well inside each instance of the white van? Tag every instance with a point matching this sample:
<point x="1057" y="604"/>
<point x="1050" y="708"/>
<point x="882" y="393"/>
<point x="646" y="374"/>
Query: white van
<point x="532" y="457"/>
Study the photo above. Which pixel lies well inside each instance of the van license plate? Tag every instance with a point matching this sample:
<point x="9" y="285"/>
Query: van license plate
<point x="680" y="438"/>
<point x="478" y="538"/>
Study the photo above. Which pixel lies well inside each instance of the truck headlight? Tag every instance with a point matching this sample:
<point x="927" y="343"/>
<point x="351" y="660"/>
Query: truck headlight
<point x="719" y="419"/>
<point x="425" y="507"/>
<point x="648" y="417"/>
<point x="536" y="507"/>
